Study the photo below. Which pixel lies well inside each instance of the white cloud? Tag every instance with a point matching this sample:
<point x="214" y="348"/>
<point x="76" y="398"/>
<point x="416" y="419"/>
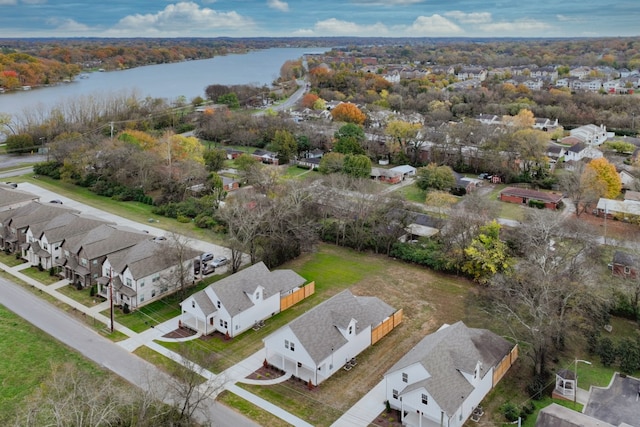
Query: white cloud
<point x="525" y="26"/>
<point x="67" y="25"/>
<point x="434" y="25"/>
<point x="8" y="2"/>
<point x="280" y="5"/>
<point x="387" y="2"/>
<point x="181" y="18"/>
<point x="34" y="1"/>
<point x="470" y="18"/>
<point x="335" y="27"/>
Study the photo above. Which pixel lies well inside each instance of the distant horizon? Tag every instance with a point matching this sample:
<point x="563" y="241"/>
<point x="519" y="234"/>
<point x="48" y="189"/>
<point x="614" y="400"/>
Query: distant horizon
<point x="310" y="18"/>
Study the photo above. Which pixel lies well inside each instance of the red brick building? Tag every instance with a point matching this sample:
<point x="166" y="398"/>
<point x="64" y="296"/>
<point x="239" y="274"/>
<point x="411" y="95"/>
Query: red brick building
<point x="524" y="195"/>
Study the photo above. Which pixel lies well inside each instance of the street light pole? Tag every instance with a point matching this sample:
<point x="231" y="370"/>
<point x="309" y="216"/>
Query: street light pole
<point x="575" y="386"/>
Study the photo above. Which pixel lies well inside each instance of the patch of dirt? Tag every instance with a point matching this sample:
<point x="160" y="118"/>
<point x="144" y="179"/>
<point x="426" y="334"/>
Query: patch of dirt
<point x="180" y="333"/>
<point x="388" y="419"/>
<point x="265" y="373"/>
<point x="614" y="229"/>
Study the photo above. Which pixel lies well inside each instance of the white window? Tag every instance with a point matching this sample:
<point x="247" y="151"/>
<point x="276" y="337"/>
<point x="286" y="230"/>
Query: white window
<point x="286" y="344"/>
<point x="405" y="377"/>
<point x="128" y="282"/>
<point x="350" y="329"/>
<point x="94" y="262"/>
<point x="141" y="282"/>
<point x="141" y="298"/>
<point x="292" y="346"/>
<point x="395" y="393"/>
<point x="627" y="270"/>
<point x="193" y="304"/>
<point x="45" y="246"/>
<point x="83" y="262"/>
<point x="153" y="293"/>
<point x="425" y="399"/>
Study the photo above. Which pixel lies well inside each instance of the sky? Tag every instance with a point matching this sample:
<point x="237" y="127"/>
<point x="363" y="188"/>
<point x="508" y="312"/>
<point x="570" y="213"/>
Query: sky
<point x="319" y="18"/>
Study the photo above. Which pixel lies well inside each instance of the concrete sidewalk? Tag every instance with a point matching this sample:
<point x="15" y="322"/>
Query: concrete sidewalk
<point x="365" y="410"/>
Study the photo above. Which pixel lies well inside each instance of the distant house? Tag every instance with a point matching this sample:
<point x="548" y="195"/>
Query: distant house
<point x="442" y="380"/>
<point x="230" y="184"/>
<point x="328" y="337"/>
<point x="621" y="209"/>
<point x="591" y="134"/>
<point x="309" y="162"/>
<point x="465" y="183"/>
<point x="581" y="151"/>
<point x="386" y="175"/>
<point x="405" y="170"/>
<point x="627" y="179"/>
<point x="625" y="265"/>
<point x="233" y="154"/>
<point x="241" y="301"/>
<point x="489" y="119"/>
<point x="524" y="195"/>
<point x="266" y="157"/>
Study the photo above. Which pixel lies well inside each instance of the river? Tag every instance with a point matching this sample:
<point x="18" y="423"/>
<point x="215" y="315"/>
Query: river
<point x="169" y="81"/>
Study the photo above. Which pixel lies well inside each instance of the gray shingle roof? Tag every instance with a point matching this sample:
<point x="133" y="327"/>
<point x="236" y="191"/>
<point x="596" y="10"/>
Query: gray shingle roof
<point x="31" y="214"/>
<point x="64" y="226"/>
<point x="233" y="290"/>
<point x="146" y="257"/>
<point x="450" y="351"/>
<point x="105" y="239"/>
<point x="10" y="196"/>
<point x="205" y="304"/>
<point x="317" y="329"/>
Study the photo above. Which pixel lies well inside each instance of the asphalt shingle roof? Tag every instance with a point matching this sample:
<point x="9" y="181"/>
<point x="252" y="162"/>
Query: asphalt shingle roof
<point x="448" y="352"/>
<point x="317" y="329"/>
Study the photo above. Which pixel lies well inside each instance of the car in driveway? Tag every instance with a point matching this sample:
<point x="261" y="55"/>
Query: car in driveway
<point x="219" y="261"/>
<point x="208" y="269"/>
<point x="206" y="257"/>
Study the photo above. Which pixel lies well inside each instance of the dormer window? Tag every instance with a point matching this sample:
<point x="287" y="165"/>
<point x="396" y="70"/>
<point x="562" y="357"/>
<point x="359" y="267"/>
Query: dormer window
<point x="218" y="304"/>
<point x="405" y="377"/>
<point x="193" y="304"/>
<point x="350" y="329"/>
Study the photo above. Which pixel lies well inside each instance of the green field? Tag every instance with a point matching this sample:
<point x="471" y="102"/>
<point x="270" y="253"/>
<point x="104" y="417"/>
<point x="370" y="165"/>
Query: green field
<point x="27" y="357"/>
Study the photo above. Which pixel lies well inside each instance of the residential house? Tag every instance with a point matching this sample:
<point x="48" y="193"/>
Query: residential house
<point x="556" y="415"/>
<point x="489" y="119"/>
<point x="555" y="152"/>
<point x="233" y="154"/>
<point x="582" y="151"/>
<point x="625" y="210"/>
<point x="266" y="157"/>
<point x="243" y="300"/>
<point x="45" y="239"/>
<point x="405" y="170"/>
<point x="628" y="180"/>
<point x="441" y="380"/>
<point x="84" y="254"/>
<point x="314" y="154"/>
<point x="11" y="198"/>
<point x="524" y="195"/>
<point x="386" y="175"/>
<point x="309" y="162"/>
<point x="545" y="124"/>
<point x="472" y="73"/>
<point x="145" y="272"/>
<point x="625" y="265"/>
<point x="591" y="134"/>
<point x="328" y="337"/>
<point x="465" y="183"/>
<point x="15" y="222"/>
<point x="229" y="184"/>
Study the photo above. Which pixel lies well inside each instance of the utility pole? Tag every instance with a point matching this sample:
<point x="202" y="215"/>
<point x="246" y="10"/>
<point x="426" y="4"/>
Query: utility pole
<point x="111" y="296"/>
<point x="111" y="124"/>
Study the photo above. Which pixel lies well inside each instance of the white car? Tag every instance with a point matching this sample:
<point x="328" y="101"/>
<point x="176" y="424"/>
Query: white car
<point x="219" y="261"/>
<point x="208" y="269"/>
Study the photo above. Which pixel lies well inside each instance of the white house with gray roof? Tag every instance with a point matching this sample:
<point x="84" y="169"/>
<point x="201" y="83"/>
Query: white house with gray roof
<point x="145" y="272"/>
<point x="328" y="337"/>
<point x="445" y="376"/>
<point x="240" y="301"/>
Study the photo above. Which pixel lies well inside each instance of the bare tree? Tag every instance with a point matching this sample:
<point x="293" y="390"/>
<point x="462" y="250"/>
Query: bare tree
<point x="177" y="252"/>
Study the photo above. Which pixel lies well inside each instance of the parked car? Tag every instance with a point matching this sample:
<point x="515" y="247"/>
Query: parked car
<point x="59" y="202"/>
<point x="208" y="269"/>
<point x="219" y="261"/>
<point x="205" y="257"/>
<point x="196" y="266"/>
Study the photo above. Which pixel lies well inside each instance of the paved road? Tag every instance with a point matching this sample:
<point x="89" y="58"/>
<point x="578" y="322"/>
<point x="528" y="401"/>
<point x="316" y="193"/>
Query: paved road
<point x="105" y="353"/>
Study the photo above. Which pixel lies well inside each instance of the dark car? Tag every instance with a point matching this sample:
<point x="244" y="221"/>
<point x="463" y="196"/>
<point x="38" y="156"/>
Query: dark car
<point x="56" y="201"/>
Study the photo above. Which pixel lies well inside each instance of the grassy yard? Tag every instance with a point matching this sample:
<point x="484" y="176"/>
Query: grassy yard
<point x="83" y="296"/>
<point x="41" y="276"/>
<point x="10" y="260"/>
<point x="412" y="193"/>
<point x="27" y="357"/>
<point x="294" y="172"/>
<point x="257" y="414"/>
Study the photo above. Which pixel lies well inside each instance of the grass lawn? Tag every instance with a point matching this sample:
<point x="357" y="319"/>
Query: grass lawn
<point x="41" y="276"/>
<point x="10" y="260"/>
<point x="294" y="172"/>
<point x="83" y="296"/>
<point x="27" y="357"/>
<point x="257" y="414"/>
<point x="412" y="193"/>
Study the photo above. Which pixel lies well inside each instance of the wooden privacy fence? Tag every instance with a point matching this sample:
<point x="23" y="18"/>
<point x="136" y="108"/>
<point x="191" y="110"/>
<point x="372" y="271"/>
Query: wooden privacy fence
<point x="504" y="365"/>
<point x="297" y="296"/>
<point x="385" y="327"/>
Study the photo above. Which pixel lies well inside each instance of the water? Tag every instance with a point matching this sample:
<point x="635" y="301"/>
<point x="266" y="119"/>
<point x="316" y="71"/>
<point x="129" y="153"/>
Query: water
<point x="169" y="81"/>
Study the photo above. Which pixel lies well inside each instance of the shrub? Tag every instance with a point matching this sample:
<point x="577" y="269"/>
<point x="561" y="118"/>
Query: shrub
<point x="510" y="411"/>
<point x="52" y="271"/>
<point x="50" y="169"/>
<point x="126" y="309"/>
<point x="183" y="219"/>
<point x="606" y="351"/>
<point x="536" y="387"/>
<point x="536" y="204"/>
<point x="79" y="286"/>
<point x="40" y="267"/>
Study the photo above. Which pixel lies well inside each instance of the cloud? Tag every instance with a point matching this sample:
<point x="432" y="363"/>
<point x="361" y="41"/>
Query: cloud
<point x="387" y="2"/>
<point x="469" y="18"/>
<point x="524" y="26"/>
<point x="434" y="25"/>
<point x="34" y="1"/>
<point x="334" y="27"/>
<point x="8" y="2"/>
<point x="280" y="5"/>
<point x="184" y="17"/>
<point x="67" y="25"/>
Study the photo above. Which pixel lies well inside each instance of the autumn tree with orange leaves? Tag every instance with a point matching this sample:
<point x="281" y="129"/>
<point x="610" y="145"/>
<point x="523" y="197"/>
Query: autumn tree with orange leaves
<point x="309" y="100"/>
<point x="348" y="112"/>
